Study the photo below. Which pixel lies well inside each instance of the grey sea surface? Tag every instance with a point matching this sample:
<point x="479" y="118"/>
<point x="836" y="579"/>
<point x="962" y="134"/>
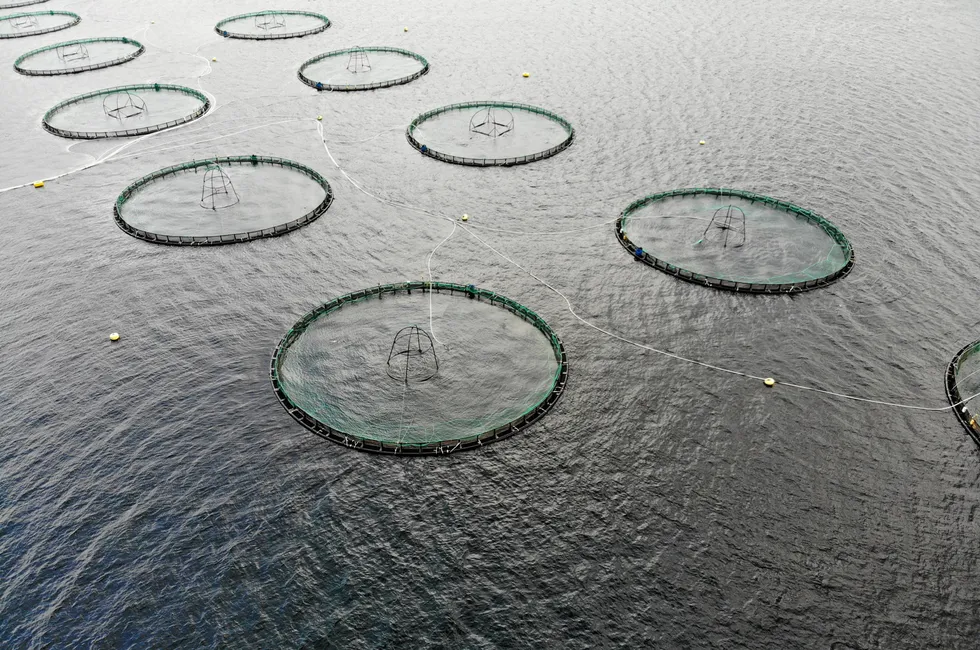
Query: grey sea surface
<point x="153" y="493"/>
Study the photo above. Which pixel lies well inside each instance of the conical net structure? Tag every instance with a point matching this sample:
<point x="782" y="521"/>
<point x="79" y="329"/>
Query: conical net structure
<point x="412" y="357"/>
<point x="25" y="22"/>
<point x="217" y="190"/>
<point x="358" y="61"/>
<point x="123" y="105"/>
<point x="731" y="221"/>
<point x="270" y="21"/>
<point x="492" y="122"/>
<point x="72" y="53"/>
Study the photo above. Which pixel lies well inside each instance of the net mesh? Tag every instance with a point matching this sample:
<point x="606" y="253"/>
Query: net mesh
<point x="495" y="367"/>
<point x="735" y="240"/>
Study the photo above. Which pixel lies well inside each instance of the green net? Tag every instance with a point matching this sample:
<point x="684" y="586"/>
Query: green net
<point x="125" y="111"/>
<point x="362" y="68"/>
<point x="963" y="386"/>
<point x="266" y="25"/>
<point x="735" y="240"/>
<point x="485" y="134"/>
<point x="36" y="22"/>
<point x="72" y="57"/>
<point x="222" y="200"/>
<point x="474" y="367"/>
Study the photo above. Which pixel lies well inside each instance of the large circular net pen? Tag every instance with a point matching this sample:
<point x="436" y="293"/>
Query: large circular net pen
<point x="72" y="57"/>
<point x="735" y="240"/>
<point x="489" y="134"/>
<point x="36" y="22"/>
<point x="963" y="383"/>
<point x="419" y="368"/>
<point x="125" y="111"/>
<point x="362" y="68"/>
<point x="267" y="25"/>
<point x="223" y="200"/>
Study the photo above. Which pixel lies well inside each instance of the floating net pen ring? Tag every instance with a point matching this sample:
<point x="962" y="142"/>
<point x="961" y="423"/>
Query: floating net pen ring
<point x="731" y="221"/>
<point x="217" y="193"/>
<point x="107" y="93"/>
<point x="20" y="22"/>
<point x="71" y="51"/>
<point x="354" y="52"/>
<point x="269" y="25"/>
<point x="426" y="369"/>
<point x="25" y="3"/>
<point x="494" y="128"/>
<point x="970" y="419"/>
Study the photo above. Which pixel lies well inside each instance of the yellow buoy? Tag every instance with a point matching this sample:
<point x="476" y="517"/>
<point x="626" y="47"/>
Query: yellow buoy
<point x="769" y="381"/>
<point x="465" y="217"/>
<point x="39" y="184"/>
<point x="319" y="118"/>
<point x="114" y="336"/>
<point x="406" y="29"/>
<point x="527" y="74"/>
<point x="214" y="58"/>
<point x="702" y="142"/>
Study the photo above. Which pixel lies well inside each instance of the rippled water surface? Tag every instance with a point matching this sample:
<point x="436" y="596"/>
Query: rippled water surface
<point x="154" y="494"/>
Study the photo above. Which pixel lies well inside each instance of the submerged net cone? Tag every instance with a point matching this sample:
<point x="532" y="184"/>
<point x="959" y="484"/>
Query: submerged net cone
<point x="492" y="122"/>
<point x="270" y="21"/>
<point x="358" y="61"/>
<point x="727" y="226"/>
<point x="123" y="105"/>
<point x="412" y="357"/>
<point x="217" y="190"/>
<point x="72" y="53"/>
<point x="23" y="22"/>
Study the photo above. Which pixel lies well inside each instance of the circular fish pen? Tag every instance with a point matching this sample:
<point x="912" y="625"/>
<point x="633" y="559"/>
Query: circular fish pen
<point x="963" y="383"/>
<point x="362" y="68"/>
<point x="267" y="25"/>
<point x="72" y="57"/>
<point x="419" y="368"/>
<point x="125" y="111"/>
<point x="735" y="240"/>
<point x="224" y="200"/>
<point x="24" y="3"/>
<point x="36" y="22"/>
<point x="490" y="134"/>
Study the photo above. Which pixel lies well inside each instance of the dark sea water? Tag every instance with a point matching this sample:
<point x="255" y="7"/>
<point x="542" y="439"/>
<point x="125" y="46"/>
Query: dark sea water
<point x="153" y="494"/>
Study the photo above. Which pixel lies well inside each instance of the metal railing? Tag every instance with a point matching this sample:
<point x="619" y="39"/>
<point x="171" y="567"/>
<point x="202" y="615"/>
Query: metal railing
<point x="231" y="238"/>
<point x="526" y="419"/>
<point x="319" y="85"/>
<point x="490" y="162"/>
<point x="728" y="284"/>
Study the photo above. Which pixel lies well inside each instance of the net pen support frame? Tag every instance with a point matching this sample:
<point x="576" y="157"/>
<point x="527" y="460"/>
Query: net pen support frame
<point x="75" y="19"/>
<point x="125" y="133"/>
<point x="219" y="27"/>
<point x="490" y="162"/>
<point x="319" y="85"/>
<point x="442" y="447"/>
<point x="85" y="68"/>
<point x="962" y="411"/>
<point x="220" y="240"/>
<point x="701" y="279"/>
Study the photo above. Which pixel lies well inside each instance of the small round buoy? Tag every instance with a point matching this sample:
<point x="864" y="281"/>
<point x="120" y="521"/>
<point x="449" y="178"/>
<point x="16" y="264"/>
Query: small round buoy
<point x="214" y="58"/>
<point x="769" y="381"/>
<point x="527" y="74"/>
<point x="319" y="118"/>
<point x="424" y="148"/>
<point x="39" y="184"/>
<point x="114" y="336"/>
<point x="702" y="142"/>
<point x="465" y="217"/>
<point x="638" y="253"/>
<point x="406" y="29"/>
